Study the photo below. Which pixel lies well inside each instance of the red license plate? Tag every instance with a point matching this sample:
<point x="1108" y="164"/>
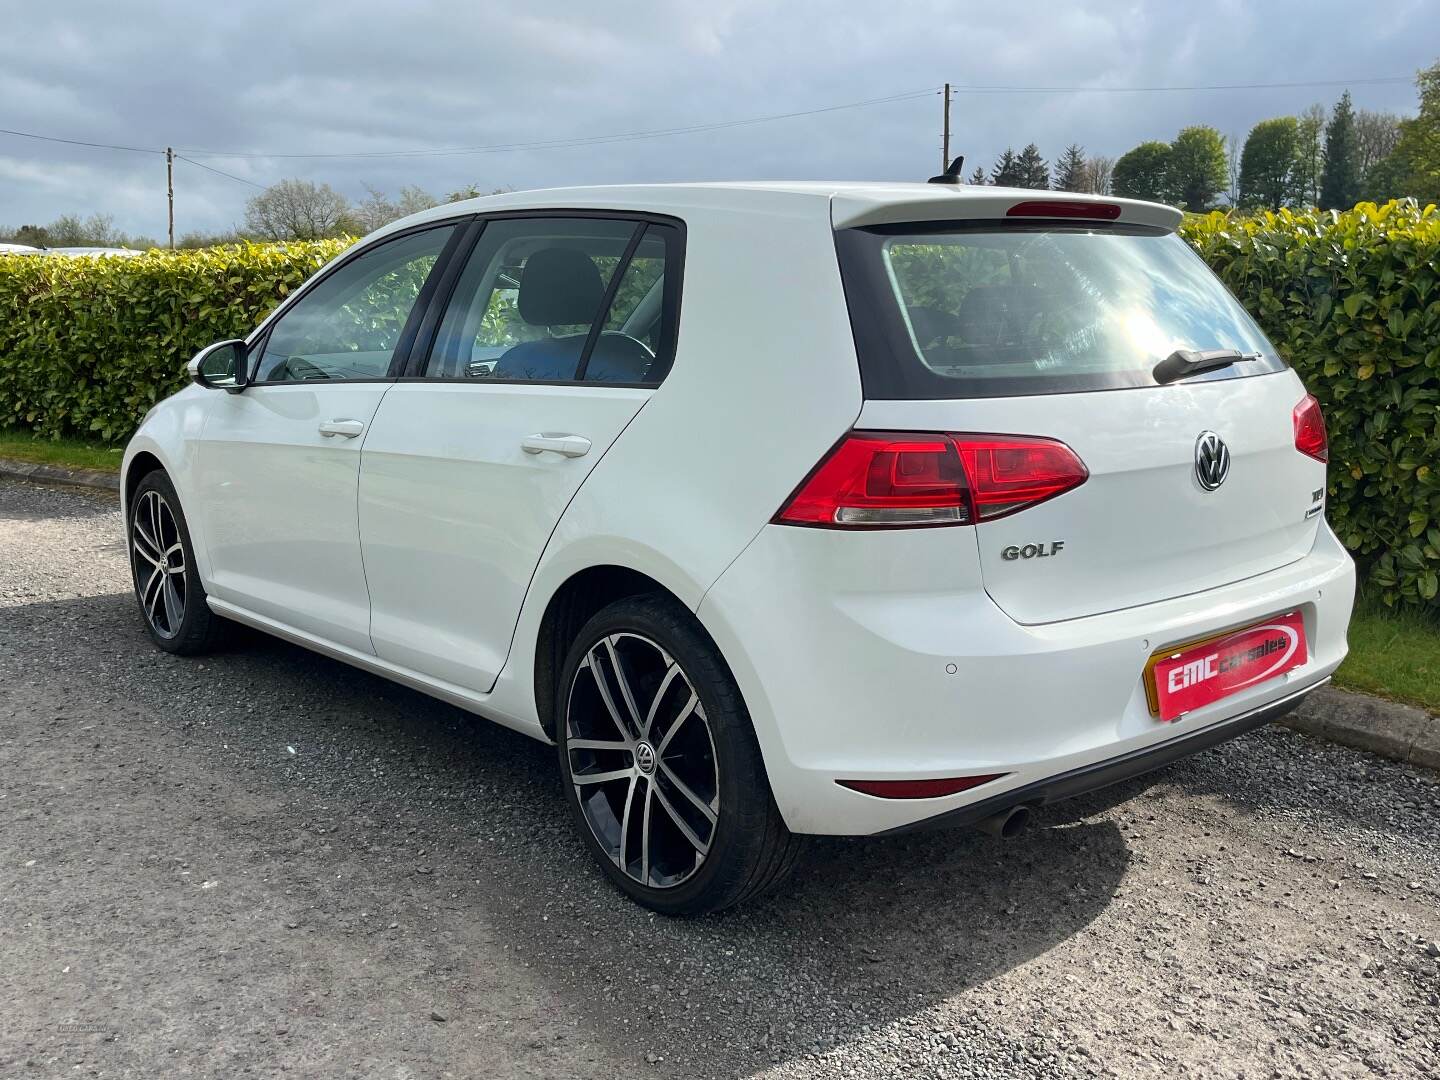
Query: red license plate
<point x="1207" y="671"/>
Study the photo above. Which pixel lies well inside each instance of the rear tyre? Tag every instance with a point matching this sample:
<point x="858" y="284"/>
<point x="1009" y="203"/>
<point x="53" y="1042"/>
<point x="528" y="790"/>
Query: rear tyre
<point x="661" y="767"/>
<point x="162" y="567"/>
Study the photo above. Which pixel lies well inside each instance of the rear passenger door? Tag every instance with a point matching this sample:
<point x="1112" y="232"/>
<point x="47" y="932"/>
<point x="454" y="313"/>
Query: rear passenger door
<point x="555" y="333"/>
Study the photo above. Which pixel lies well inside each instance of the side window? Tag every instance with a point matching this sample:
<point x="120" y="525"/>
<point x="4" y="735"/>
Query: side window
<point x="637" y="315"/>
<point x="527" y="304"/>
<point x="348" y="325"/>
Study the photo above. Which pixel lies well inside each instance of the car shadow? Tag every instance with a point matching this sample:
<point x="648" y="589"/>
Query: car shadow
<point x="868" y="932"/>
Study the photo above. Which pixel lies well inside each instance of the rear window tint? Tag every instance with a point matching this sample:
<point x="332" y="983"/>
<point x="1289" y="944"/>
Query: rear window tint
<point x="998" y="310"/>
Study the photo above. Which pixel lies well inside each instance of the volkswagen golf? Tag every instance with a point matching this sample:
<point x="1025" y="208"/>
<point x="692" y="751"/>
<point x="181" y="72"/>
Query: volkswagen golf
<point x="781" y="509"/>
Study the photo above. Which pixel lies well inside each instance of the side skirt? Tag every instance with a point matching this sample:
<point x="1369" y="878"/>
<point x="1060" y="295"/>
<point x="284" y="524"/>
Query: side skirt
<point x="450" y="693"/>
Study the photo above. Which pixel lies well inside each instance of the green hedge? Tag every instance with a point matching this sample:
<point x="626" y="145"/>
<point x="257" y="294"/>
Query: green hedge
<point x="1353" y="302"/>
<point x="88" y="344"/>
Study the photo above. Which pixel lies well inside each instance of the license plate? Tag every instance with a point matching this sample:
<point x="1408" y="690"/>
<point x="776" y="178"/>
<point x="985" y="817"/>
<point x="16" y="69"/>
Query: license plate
<point x="1196" y="675"/>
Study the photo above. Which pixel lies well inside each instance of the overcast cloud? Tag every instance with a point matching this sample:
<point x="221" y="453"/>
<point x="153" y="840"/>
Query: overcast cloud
<point x="319" y="77"/>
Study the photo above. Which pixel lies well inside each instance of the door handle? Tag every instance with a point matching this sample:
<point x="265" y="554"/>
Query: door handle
<point x="565" y="445"/>
<point x="347" y="429"/>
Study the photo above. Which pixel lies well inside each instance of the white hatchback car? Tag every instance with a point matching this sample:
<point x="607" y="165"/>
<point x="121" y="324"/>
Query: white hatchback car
<point x="781" y="508"/>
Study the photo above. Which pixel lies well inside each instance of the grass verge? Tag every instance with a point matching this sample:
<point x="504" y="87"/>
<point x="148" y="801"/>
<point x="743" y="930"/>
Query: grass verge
<point x="21" y="445"/>
<point x="1393" y="654"/>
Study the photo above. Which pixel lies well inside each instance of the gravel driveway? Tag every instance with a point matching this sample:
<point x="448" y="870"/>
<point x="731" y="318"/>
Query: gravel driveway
<point x="265" y="862"/>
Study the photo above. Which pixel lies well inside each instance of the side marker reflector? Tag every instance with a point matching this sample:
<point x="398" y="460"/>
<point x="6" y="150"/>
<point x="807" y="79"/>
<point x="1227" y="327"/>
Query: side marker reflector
<point x="917" y="789"/>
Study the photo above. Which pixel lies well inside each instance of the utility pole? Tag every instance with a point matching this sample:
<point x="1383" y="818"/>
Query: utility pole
<point x="170" y="188"/>
<point x="945" y="144"/>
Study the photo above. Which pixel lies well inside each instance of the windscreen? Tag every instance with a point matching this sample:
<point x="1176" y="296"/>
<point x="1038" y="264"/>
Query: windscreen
<point x="1010" y="310"/>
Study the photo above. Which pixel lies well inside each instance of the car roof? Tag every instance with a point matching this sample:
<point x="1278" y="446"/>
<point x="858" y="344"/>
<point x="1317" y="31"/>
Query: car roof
<point x="849" y="203"/>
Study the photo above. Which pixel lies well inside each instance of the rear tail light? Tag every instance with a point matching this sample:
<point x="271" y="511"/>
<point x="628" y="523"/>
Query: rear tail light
<point x="1310" y="437"/>
<point x="917" y="789"/>
<point x="881" y="479"/>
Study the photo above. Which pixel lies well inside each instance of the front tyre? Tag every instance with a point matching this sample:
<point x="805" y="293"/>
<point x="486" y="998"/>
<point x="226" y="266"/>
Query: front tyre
<point x="162" y="566"/>
<point x="661" y="766"/>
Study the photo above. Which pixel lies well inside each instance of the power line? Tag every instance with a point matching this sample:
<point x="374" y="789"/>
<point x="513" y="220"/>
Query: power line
<point x="221" y="172"/>
<point x="78" y="142"/>
<point x="959" y="89"/>
<point x="655" y="133"/>
<point x="587" y="140"/>
<point x="545" y="144"/>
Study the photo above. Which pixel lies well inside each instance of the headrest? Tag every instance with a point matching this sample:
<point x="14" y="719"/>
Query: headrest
<point x="559" y="287"/>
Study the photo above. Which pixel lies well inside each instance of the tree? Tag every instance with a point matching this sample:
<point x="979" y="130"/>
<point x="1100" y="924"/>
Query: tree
<point x="299" y="210"/>
<point x="1376" y="134"/>
<point x="472" y="191"/>
<point x="1232" y="170"/>
<point x="70" y="230"/>
<point x="1267" y="164"/>
<point x="1071" y="171"/>
<point x="1007" y="170"/>
<point x="1141" y="173"/>
<point x="199" y="239"/>
<point x="378" y="209"/>
<point x="977" y="178"/>
<point x="1309" y="155"/>
<point x="98" y="230"/>
<point x="29" y="235"/>
<point x="1417" y="152"/>
<point x="1196" y="168"/>
<point x="1034" y="172"/>
<point x="374" y="210"/>
<point x="1099" y="174"/>
<point x="1340" y="179"/>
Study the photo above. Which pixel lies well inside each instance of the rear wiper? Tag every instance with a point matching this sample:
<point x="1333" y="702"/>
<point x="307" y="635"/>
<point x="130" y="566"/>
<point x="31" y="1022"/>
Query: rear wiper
<point x="1183" y="363"/>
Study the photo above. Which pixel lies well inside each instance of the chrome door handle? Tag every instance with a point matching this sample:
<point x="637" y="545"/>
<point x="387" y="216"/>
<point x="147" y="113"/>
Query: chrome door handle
<point x="347" y="429"/>
<point x="565" y="445"/>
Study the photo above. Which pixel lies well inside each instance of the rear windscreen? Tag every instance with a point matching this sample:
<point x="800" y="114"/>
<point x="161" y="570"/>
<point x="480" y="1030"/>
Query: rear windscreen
<point x="994" y="310"/>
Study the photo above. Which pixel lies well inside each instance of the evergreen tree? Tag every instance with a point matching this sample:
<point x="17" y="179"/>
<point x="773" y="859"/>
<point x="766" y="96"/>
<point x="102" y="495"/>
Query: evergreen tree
<point x="1007" y="170"/>
<point x="977" y="178"/>
<point x="1340" y="180"/>
<point x="1267" y="164"/>
<point x="1196" y="170"/>
<point x="1034" y="172"/>
<point x="1141" y="173"/>
<point x="1071" y="171"/>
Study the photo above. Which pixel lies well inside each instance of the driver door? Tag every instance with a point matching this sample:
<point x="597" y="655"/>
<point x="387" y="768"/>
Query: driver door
<point x="279" y="463"/>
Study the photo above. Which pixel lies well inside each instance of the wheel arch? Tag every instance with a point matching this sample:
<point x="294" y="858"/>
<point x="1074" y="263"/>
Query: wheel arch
<point x="140" y="465"/>
<point x="569" y="608"/>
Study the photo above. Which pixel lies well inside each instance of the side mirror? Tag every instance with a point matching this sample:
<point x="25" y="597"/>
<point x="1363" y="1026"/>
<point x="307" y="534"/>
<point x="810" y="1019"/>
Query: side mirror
<point x="220" y="366"/>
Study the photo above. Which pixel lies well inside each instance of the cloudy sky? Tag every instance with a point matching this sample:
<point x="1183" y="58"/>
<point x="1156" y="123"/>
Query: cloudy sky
<point x="249" y="87"/>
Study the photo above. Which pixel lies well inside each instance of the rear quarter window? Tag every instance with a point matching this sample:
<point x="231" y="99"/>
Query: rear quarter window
<point x="995" y="309"/>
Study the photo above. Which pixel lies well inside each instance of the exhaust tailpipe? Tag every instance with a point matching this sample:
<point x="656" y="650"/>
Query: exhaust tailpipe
<point x="1006" y="824"/>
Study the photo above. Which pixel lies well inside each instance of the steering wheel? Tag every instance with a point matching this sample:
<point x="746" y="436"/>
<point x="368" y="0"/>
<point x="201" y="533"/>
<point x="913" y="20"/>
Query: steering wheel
<point x="298" y="368"/>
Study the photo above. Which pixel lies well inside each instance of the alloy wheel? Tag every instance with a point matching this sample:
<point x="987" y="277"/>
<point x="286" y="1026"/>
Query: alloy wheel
<point x="642" y="760"/>
<point x="158" y="554"/>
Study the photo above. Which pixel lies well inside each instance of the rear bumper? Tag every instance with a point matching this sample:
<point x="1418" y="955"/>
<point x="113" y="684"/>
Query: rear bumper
<point x="1114" y="770"/>
<point x="879" y="656"/>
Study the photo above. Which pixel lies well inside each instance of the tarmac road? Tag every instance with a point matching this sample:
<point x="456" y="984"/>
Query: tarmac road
<point x="264" y="862"/>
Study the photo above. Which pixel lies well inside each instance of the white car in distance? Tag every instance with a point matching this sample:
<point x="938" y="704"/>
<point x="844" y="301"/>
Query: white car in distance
<point x="781" y="508"/>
